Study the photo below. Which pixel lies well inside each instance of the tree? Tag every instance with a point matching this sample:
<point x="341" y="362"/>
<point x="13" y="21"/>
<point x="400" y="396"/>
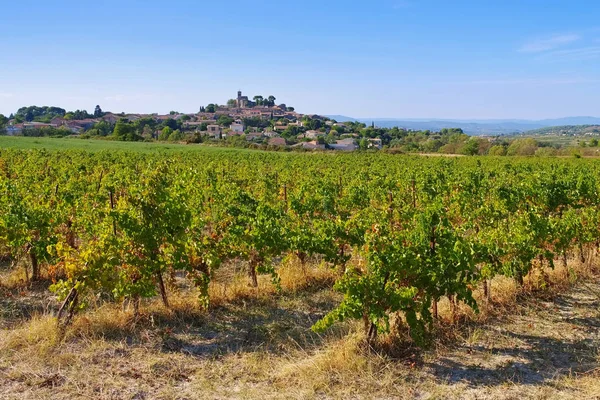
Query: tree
<point x="224" y="120"/>
<point x="364" y="144"/>
<point x="125" y="131"/>
<point x="142" y="123"/>
<point x="497" y="151"/>
<point x="172" y="123"/>
<point x="165" y="133"/>
<point x="101" y="128"/>
<point x="271" y="101"/>
<point x="38" y="114"/>
<point x="338" y="129"/>
<point x="176" y="136"/>
<point x="311" y="124"/>
<point x="147" y="132"/>
<point x="471" y="147"/>
<point x="3" y="121"/>
<point x="211" y="108"/>
<point x="522" y="147"/>
<point x="258" y="100"/>
<point x="98" y="112"/>
<point x="290" y="131"/>
<point x="291" y="109"/>
<point x="78" y="115"/>
<point x="232" y="103"/>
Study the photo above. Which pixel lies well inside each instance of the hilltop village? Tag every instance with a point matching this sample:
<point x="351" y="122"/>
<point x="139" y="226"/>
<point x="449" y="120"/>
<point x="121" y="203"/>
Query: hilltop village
<point x="259" y="122"/>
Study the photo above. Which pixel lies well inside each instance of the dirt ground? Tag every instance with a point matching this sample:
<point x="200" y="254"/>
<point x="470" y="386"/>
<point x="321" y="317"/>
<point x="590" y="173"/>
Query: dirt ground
<point x="262" y="347"/>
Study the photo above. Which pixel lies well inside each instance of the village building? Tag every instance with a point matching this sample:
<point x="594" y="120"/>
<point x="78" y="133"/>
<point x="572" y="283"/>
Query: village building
<point x="376" y="143"/>
<point x="270" y="134"/>
<point x="277" y="141"/>
<point x="80" y="125"/>
<point x="254" y="136"/>
<point x="312" y="134"/>
<point x="12" y="130"/>
<point x="310" y="145"/>
<point x="111" y="118"/>
<point x="214" y="131"/>
<point x="344" y="145"/>
<point x="237" y="128"/>
<point x="243" y="101"/>
<point x="34" y="125"/>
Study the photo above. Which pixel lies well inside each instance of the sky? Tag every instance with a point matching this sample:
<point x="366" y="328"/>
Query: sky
<point x="460" y="59"/>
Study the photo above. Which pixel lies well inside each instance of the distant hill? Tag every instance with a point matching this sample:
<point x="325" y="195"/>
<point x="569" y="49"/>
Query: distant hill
<point x="474" y="127"/>
<point x="574" y="130"/>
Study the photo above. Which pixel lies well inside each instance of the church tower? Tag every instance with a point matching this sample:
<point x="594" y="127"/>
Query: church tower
<point x="242" y="101"/>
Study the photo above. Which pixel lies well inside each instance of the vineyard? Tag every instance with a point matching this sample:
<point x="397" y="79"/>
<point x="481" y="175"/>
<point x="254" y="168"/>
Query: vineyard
<point x="399" y="235"/>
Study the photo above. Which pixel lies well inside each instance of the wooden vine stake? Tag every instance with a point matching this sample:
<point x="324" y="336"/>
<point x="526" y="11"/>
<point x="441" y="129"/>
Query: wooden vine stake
<point x="285" y="197"/>
<point x="432" y="249"/>
<point x="112" y="207"/>
<point x="67" y="309"/>
<point x="414" y="192"/>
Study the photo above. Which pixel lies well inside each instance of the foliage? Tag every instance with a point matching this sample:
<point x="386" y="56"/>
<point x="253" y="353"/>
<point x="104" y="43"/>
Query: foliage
<point x="39" y="114"/>
<point x="402" y="232"/>
<point x="125" y="131"/>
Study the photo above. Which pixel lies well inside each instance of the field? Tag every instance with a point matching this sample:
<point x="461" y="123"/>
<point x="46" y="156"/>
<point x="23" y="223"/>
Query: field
<point x="95" y="145"/>
<point x="191" y="272"/>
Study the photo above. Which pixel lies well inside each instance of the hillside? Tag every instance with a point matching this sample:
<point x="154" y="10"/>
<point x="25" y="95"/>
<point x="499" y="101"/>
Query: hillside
<point x="476" y="126"/>
<point x="570" y="130"/>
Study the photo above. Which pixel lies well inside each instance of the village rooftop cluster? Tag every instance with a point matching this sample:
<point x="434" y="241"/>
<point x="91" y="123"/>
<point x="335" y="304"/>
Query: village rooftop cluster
<point x="260" y="121"/>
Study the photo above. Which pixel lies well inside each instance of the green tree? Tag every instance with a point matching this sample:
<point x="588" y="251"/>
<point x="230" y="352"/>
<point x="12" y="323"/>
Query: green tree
<point x="176" y="136"/>
<point x="258" y="100"/>
<point x="522" y="147"/>
<point x="232" y="103"/>
<point x="172" y="123"/>
<point x="211" y="108"/>
<point x="363" y="144"/>
<point x="77" y="115"/>
<point x="39" y="114"/>
<point x="545" y="152"/>
<point x="471" y="147"/>
<point x="497" y="150"/>
<point x="290" y="131"/>
<point x="125" y="131"/>
<point x="3" y="122"/>
<point x="224" y="120"/>
<point x="165" y="134"/>
<point x="98" y="112"/>
<point x="101" y="128"/>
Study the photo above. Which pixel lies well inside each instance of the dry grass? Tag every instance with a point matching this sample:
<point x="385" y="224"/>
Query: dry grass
<point x="256" y="343"/>
<point x="12" y="277"/>
<point x="231" y="283"/>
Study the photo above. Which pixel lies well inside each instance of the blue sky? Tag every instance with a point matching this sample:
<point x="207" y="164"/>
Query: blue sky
<point x="378" y="58"/>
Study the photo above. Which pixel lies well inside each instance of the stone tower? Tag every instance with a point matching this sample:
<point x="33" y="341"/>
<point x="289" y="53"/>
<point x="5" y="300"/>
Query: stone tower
<point x="242" y="101"/>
